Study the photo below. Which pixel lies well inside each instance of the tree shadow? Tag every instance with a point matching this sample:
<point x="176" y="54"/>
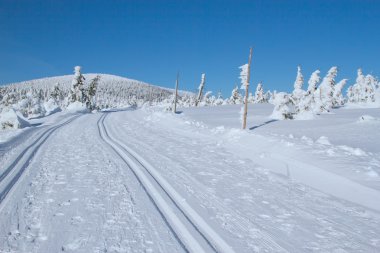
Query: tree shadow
<point x="265" y="123"/>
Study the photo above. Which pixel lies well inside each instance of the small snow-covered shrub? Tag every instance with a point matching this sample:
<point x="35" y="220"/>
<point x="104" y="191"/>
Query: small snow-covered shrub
<point x="10" y="119"/>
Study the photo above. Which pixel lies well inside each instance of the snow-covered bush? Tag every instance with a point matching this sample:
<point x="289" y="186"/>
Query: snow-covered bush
<point x="10" y="119"/>
<point x="282" y="106"/>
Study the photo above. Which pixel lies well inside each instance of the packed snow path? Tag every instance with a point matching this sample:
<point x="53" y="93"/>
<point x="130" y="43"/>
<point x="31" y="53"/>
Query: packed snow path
<point x="134" y="181"/>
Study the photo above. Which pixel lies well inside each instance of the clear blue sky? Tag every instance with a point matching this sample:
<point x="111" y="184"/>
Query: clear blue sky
<point x="151" y="40"/>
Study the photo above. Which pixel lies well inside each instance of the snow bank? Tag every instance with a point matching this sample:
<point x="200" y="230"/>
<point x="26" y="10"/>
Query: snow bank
<point x="77" y="107"/>
<point x="51" y="107"/>
<point x="10" y="119"/>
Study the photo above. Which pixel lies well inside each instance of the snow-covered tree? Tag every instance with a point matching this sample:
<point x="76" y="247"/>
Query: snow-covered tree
<point x="363" y="91"/>
<point x="77" y="86"/>
<point x="282" y="106"/>
<point x="219" y="99"/>
<point x="313" y="81"/>
<point x="325" y="92"/>
<point x="91" y="103"/>
<point x="259" y="94"/>
<point x="338" y="99"/>
<point x="236" y="97"/>
<point x="298" y="92"/>
<point x="251" y="98"/>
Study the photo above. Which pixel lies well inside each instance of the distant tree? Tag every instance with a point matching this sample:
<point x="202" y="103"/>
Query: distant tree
<point x="259" y="94"/>
<point x="298" y="92"/>
<point x="77" y="86"/>
<point x="91" y="102"/>
<point x="236" y="97"/>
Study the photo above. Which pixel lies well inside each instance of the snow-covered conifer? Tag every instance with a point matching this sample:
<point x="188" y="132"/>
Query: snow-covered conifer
<point x="298" y="92"/>
<point x="325" y="92"/>
<point x="77" y="86"/>
<point x="91" y="103"/>
<point x="313" y="81"/>
<point x="338" y="99"/>
<point x="282" y="106"/>
<point x="259" y="94"/>
<point x="236" y="97"/>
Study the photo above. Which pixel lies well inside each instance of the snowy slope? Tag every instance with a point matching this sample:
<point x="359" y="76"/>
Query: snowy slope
<point x="152" y="181"/>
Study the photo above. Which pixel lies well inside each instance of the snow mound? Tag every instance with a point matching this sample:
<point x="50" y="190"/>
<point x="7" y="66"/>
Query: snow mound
<point x="10" y="119"/>
<point x="323" y="140"/>
<point x="51" y="107"/>
<point x="305" y="115"/>
<point x="77" y="107"/>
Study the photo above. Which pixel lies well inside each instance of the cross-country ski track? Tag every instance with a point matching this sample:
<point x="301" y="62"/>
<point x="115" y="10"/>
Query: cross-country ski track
<point x="148" y="177"/>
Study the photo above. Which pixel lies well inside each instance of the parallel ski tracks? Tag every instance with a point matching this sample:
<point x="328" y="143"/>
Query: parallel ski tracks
<point x="12" y="173"/>
<point x="190" y="229"/>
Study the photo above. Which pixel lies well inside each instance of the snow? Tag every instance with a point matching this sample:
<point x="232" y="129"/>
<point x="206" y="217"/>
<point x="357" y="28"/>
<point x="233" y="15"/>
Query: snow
<point x="10" y="119"/>
<point x="147" y="180"/>
<point x="77" y="107"/>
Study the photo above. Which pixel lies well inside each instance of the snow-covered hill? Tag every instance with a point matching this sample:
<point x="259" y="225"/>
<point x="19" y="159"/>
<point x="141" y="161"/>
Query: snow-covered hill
<point x="114" y="90"/>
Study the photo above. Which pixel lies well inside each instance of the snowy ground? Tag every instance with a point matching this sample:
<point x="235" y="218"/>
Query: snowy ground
<point x="149" y="181"/>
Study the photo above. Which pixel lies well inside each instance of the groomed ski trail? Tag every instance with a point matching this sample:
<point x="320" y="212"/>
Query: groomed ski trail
<point x="148" y="176"/>
<point x="12" y="173"/>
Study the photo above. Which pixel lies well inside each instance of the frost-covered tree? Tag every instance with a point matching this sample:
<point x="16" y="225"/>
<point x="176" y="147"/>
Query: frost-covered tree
<point x="36" y="108"/>
<point x="282" y="106"/>
<point x="91" y="102"/>
<point x="219" y="99"/>
<point x="338" y="99"/>
<point x="313" y="81"/>
<point x="363" y="91"/>
<point x="350" y="95"/>
<point x="259" y="94"/>
<point x="325" y="92"/>
<point x="268" y="96"/>
<point x="251" y="98"/>
<point x="298" y="92"/>
<point x="77" y="86"/>
<point x="236" y="97"/>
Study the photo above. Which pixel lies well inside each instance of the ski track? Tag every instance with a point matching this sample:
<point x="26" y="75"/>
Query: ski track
<point x="289" y="214"/>
<point x="135" y="162"/>
<point x="11" y="174"/>
<point x="82" y="199"/>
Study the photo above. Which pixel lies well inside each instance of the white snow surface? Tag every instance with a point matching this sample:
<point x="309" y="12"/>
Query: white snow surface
<point x="152" y="181"/>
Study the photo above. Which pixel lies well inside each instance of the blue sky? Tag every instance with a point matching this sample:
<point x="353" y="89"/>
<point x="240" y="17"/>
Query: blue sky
<point x="152" y="40"/>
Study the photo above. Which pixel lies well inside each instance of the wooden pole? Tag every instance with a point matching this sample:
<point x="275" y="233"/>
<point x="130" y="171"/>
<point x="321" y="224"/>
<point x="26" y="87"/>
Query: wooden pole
<point x="203" y="80"/>
<point x="246" y="90"/>
<point x="176" y="94"/>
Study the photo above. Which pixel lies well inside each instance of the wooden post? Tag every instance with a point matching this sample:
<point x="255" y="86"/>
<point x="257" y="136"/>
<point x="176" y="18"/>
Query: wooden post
<point x="203" y="80"/>
<point x="176" y="94"/>
<point x="246" y="90"/>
